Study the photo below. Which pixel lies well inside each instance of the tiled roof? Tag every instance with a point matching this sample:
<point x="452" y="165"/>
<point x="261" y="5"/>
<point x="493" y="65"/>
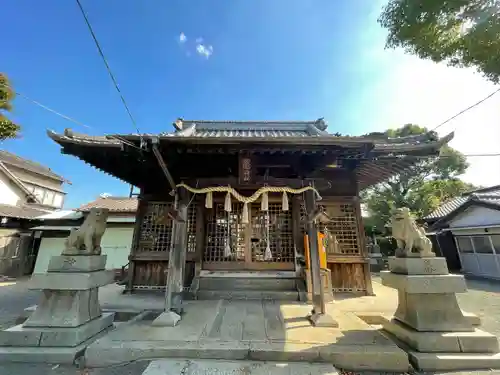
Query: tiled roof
<point x="17" y="161"/>
<point x="447" y="208"/>
<point x="247" y="129"/>
<point x="489" y="195"/>
<point x="305" y="132"/>
<point x="113" y="204"/>
<point x="23" y="212"/>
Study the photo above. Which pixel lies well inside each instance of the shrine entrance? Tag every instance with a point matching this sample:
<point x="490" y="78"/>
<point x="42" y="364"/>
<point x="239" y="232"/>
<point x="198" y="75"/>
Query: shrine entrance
<point x="265" y="243"/>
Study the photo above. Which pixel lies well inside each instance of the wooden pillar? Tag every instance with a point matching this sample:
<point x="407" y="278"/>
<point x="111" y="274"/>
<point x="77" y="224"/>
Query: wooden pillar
<point x="296" y="229"/>
<point x="312" y="232"/>
<point x="177" y="262"/>
<point x="200" y="243"/>
<point x="141" y="207"/>
<point x="362" y="247"/>
<point x="318" y="317"/>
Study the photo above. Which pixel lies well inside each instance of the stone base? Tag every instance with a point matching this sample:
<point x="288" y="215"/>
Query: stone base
<point x="424" y="284"/>
<point x="418" y="266"/>
<point x="71" y="280"/>
<point x="454" y="361"/>
<point x="77" y="263"/>
<point x="444" y="342"/>
<point x="166" y="319"/>
<point x="22" y="336"/>
<point x="65" y="308"/>
<point x="63" y="356"/>
<point x="431" y="313"/>
<point x="322" y="320"/>
<point x="427" y="302"/>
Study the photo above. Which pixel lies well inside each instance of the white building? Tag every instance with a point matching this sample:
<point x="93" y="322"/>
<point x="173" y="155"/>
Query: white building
<point x="473" y="222"/>
<point x="115" y="243"/>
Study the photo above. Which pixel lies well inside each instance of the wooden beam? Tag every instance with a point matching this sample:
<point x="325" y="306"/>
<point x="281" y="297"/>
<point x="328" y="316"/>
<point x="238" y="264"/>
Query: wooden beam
<point x="161" y="162"/>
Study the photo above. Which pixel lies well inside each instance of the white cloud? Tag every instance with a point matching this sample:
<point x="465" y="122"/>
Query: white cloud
<point x="182" y="38"/>
<point x="204" y="50"/>
<point x="410" y="90"/>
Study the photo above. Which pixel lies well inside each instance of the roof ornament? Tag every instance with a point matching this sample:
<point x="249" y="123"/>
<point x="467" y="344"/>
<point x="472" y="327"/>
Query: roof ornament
<point x="178" y="124"/>
<point x="68" y="133"/>
<point x="321" y="124"/>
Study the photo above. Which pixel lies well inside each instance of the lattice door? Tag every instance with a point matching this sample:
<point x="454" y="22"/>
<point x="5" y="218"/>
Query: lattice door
<point x="248" y="242"/>
<point x="225" y="241"/>
<point x="156" y="228"/>
<point x="272" y="242"/>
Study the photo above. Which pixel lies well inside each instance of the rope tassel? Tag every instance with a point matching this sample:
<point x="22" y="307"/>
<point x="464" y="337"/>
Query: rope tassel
<point x="227" y="249"/>
<point x="209" y="203"/>
<point x="245" y="215"/>
<point x="268" y="255"/>
<point x="227" y="203"/>
<point x="284" y="202"/>
<point x="264" y="204"/>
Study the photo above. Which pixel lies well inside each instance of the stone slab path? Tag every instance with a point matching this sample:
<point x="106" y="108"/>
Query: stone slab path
<point x="483" y="298"/>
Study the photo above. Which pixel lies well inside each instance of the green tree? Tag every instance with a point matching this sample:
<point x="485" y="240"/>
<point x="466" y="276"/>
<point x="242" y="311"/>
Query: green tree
<point x="462" y="33"/>
<point x="421" y="188"/>
<point x="8" y="129"/>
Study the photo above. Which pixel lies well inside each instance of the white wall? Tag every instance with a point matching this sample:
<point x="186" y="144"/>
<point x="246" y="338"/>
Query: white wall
<point x="475" y="216"/>
<point x="8" y="192"/>
<point x="115" y="243"/>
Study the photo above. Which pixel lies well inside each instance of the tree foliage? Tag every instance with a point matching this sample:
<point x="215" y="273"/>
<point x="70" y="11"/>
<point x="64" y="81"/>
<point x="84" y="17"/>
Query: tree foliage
<point x="8" y="129"/>
<point x="421" y="188"/>
<point x="462" y="33"/>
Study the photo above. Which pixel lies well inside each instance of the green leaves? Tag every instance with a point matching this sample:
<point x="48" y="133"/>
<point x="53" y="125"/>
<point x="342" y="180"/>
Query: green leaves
<point x="422" y="188"/>
<point x="8" y="129"/>
<point x="462" y="33"/>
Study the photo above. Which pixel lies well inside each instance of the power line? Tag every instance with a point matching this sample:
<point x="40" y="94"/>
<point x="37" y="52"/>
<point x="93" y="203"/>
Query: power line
<point x="466" y="109"/>
<point x="65" y="116"/>
<point x="68" y="118"/>
<point x="101" y="53"/>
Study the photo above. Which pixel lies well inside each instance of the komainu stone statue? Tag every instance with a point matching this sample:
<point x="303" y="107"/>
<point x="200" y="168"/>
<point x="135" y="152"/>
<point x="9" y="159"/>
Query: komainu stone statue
<point x="409" y="235"/>
<point x="86" y="240"/>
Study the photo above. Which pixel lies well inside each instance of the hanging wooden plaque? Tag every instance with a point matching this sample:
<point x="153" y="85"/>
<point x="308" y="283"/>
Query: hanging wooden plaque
<point x="246" y="169"/>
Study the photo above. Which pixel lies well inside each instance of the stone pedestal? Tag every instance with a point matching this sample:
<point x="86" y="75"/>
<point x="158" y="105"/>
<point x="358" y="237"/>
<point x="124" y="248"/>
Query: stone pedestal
<point x="376" y="262"/>
<point x="69" y="313"/>
<point x="429" y="320"/>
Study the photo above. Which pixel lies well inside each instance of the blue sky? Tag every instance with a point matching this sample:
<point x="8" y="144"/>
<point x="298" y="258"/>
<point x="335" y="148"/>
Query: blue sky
<point x="271" y="60"/>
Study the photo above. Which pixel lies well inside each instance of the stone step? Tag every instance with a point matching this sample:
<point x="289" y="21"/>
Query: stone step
<point x="258" y="284"/>
<point x="248" y="295"/>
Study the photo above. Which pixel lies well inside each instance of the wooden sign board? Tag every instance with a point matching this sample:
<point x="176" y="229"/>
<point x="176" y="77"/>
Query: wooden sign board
<point x="246" y="169"/>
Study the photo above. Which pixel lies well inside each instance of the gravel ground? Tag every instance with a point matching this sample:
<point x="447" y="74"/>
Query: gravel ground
<point x="483" y="298"/>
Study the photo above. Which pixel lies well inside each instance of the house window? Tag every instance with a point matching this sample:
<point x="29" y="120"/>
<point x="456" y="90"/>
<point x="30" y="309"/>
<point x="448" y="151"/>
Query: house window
<point x="464" y="245"/>
<point x="482" y="245"/>
<point x="495" y="240"/>
<point x="48" y="198"/>
<point x="58" y="200"/>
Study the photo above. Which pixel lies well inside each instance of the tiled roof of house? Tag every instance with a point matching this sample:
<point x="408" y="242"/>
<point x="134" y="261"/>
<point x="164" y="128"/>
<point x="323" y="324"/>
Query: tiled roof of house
<point x="447" y="208"/>
<point x="17" y="161"/>
<point x="113" y="204"/>
<point x="489" y="195"/>
<point x="20" y="212"/>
